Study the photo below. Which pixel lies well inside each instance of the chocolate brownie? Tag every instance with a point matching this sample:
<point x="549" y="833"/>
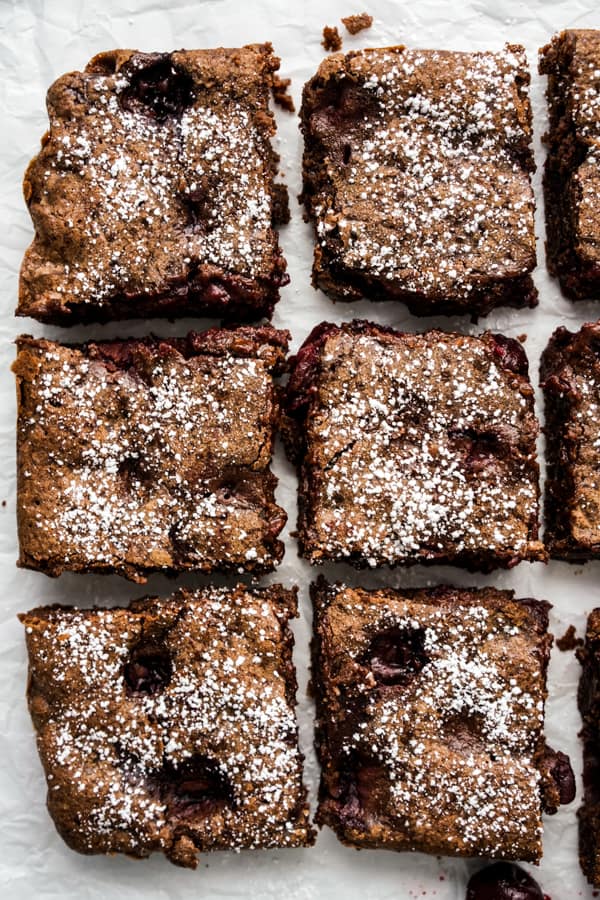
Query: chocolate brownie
<point x="169" y="725"/>
<point x="414" y="448"/>
<point x="572" y="170"/>
<point x="430" y="713"/>
<point x="153" y="193"/>
<point x="589" y="707"/>
<point x="570" y="372"/>
<point x="417" y="178"/>
<point x="137" y="456"/>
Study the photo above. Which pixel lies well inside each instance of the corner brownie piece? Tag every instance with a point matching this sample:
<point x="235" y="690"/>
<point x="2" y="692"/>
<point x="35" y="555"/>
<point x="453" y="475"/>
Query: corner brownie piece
<point x="570" y="373"/>
<point x="153" y="193"/>
<point x="572" y="170"/>
<point x="430" y="712"/>
<point x="169" y="725"/>
<point x="417" y="177"/>
<point x="148" y="455"/>
<point x="589" y="707"/>
<point x="414" y="448"/>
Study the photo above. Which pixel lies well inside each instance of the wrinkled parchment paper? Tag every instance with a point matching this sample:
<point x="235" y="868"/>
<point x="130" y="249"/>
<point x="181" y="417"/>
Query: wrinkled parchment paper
<point x="41" y="39"/>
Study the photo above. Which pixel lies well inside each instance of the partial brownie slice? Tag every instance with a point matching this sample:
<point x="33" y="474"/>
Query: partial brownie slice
<point x="430" y="714"/>
<point x="572" y="170"/>
<point x="148" y="455"/>
<point x="570" y="373"/>
<point x="589" y="707"/>
<point x="153" y="193"/>
<point x="169" y="725"/>
<point x="417" y="177"/>
<point x="414" y="448"/>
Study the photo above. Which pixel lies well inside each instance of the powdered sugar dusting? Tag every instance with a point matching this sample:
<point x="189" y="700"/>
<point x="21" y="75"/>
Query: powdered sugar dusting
<point x="458" y="742"/>
<point x="146" y="467"/>
<point x="421" y="446"/>
<point x="434" y="194"/>
<point x="106" y="751"/>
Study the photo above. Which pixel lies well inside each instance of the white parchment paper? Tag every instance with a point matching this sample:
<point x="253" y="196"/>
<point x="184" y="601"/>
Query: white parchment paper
<point x="41" y="39"/>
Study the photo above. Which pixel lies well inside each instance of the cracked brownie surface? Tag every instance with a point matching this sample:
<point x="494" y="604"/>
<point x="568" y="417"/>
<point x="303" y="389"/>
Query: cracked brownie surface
<point x="153" y="193"/>
<point x="570" y="374"/>
<point x="169" y="725"/>
<point x="430" y="711"/>
<point x="149" y="455"/>
<point x="414" y="448"/>
<point x="572" y="169"/>
<point x="417" y="178"/>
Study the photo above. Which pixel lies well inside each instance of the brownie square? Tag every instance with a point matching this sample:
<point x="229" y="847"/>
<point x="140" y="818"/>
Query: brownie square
<point x="169" y="725"/>
<point x="417" y="178"/>
<point x="572" y="169"/>
<point x="430" y="712"/>
<point x="570" y="373"/>
<point x="589" y="707"/>
<point x="414" y="448"/>
<point x="153" y="193"/>
<point x="144" y="455"/>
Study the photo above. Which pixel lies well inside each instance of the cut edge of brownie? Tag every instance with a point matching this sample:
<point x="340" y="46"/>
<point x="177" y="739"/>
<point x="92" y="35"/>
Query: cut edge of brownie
<point x="560" y="400"/>
<point x="183" y="849"/>
<point x="335" y="280"/>
<point x="204" y="290"/>
<point x="566" y="151"/>
<point x="588" y="698"/>
<point x="303" y="385"/>
<point x="557" y="782"/>
<point x="264" y="343"/>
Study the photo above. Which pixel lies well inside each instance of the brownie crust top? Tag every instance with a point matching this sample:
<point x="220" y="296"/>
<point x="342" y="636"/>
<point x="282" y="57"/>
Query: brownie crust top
<point x="431" y="718"/>
<point x="153" y="191"/>
<point x="170" y="725"/>
<point x="417" y="175"/>
<point x="415" y="447"/>
<point x="144" y="455"/>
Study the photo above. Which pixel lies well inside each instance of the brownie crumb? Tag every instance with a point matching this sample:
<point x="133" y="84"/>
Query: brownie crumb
<point x="358" y="22"/>
<point x="281" y="95"/>
<point x="331" y="39"/>
<point x="569" y="640"/>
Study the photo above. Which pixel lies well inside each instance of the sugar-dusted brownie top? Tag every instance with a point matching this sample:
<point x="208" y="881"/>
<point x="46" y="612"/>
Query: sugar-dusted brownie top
<point x="153" y="192"/>
<point x="417" y="176"/>
<point x="170" y="725"/>
<point x="570" y="373"/>
<point x="589" y="707"/>
<point x="572" y="171"/>
<point x="430" y="712"/>
<point x="414" y="447"/>
<point x="143" y="455"/>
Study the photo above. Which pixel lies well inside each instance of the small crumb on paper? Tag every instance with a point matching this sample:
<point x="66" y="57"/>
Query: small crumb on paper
<point x="281" y="95"/>
<point x="358" y="22"/>
<point x="569" y="640"/>
<point x="331" y="38"/>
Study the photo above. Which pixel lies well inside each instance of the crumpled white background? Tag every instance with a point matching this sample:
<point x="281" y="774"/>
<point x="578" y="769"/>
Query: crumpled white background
<point x="41" y="39"/>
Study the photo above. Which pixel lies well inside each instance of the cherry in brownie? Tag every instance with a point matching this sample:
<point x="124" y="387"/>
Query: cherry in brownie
<point x="154" y="193"/>
<point x="572" y="170"/>
<point x="570" y="372"/>
<point x="430" y="713"/>
<point x="169" y="725"/>
<point x="149" y="455"/>
<point x="589" y="707"/>
<point x="414" y="448"/>
<point x="417" y="178"/>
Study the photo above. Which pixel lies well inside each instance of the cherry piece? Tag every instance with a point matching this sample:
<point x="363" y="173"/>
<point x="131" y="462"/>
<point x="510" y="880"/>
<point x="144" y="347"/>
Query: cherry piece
<point x="503" y="881"/>
<point x="397" y="654"/>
